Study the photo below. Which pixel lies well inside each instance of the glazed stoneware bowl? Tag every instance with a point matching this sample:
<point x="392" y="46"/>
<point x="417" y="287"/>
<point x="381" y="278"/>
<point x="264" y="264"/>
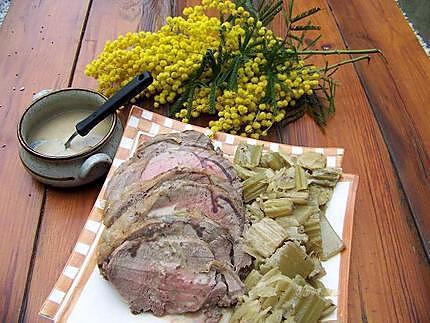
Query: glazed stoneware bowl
<point x="73" y="170"/>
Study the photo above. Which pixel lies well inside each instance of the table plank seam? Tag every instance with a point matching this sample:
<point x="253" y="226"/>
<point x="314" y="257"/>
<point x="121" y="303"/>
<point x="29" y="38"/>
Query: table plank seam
<point x="23" y="308"/>
<point x="393" y="158"/>
<point x="399" y="181"/>
<point x="78" y="48"/>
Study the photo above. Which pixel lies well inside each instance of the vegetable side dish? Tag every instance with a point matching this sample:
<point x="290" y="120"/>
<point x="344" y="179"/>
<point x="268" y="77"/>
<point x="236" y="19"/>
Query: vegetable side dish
<point x="285" y="198"/>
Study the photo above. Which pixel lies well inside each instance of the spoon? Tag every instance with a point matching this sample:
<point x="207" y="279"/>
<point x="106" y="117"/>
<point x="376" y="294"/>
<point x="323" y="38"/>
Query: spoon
<point x="120" y="98"/>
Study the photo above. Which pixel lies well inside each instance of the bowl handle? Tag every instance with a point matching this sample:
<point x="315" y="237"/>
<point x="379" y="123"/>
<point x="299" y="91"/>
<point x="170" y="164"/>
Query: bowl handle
<point x="98" y="164"/>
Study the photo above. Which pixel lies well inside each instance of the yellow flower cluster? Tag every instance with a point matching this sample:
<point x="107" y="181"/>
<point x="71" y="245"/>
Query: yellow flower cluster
<point x="242" y="112"/>
<point x="171" y="55"/>
<point x="176" y="51"/>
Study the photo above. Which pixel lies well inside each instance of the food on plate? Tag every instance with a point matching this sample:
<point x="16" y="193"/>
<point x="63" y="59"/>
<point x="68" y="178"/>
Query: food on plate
<point x="187" y="231"/>
<point x="174" y="222"/>
<point x="189" y="149"/>
<point x="275" y="297"/>
<point x="285" y="198"/>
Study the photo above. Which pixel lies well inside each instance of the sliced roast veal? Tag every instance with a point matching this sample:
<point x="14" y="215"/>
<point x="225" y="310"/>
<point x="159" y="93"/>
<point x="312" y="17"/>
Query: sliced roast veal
<point x="162" y="157"/>
<point x="173" y="196"/>
<point x="188" y="157"/>
<point x="139" y="190"/>
<point x="181" y="281"/>
<point x="155" y="146"/>
<point x="175" y="220"/>
<point x="188" y="138"/>
<point x="217" y="238"/>
<point x="170" y="266"/>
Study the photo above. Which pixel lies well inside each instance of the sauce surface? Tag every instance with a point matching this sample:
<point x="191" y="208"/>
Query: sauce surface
<point x="50" y="135"/>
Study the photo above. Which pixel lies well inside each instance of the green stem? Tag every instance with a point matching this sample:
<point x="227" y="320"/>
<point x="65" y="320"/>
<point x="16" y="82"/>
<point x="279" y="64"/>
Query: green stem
<point x="339" y="51"/>
<point x="352" y="60"/>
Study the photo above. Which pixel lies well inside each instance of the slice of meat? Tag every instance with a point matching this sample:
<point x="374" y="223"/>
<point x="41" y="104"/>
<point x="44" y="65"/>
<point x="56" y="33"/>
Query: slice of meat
<point x="139" y="190"/>
<point x="160" y="157"/>
<point x="174" y="196"/>
<point x="188" y="157"/>
<point x="185" y="138"/>
<point x="170" y="266"/>
<point x="218" y="239"/>
<point x="155" y="146"/>
<point x="166" y="276"/>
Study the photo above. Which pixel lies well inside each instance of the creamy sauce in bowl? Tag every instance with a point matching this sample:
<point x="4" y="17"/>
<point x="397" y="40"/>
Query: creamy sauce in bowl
<point x="50" y="135"/>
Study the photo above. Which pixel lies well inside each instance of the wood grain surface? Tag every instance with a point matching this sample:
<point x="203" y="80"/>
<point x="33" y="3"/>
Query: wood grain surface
<point x="37" y="51"/>
<point x="398" y="91"/>
<point x="381" y="114"/>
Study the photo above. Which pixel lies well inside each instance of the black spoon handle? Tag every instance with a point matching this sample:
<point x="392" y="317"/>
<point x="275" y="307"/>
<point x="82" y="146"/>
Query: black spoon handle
<point x="133" y="88"/>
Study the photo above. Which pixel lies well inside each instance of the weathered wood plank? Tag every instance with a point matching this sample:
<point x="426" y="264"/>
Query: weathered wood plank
<point x="390" y="277"/>
<point x="398" y="92"/>
<point x="38" y="46"/>
<point x="68" y="210"/>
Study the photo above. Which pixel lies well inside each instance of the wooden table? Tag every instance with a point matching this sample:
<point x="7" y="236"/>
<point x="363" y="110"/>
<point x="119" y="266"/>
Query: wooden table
<point x="382" y="119"/>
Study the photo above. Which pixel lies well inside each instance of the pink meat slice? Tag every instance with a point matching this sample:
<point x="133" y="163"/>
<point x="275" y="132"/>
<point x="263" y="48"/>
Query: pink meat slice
<point x="155" y="162"/>
<point x="168" y="276"/>
<point x="139" y="190"/>
<point x="174" y="196"/>
<point x="171" y="159"/>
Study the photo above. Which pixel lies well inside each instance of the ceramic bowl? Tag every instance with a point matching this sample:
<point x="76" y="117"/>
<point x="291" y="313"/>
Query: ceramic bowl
<point x="73" y="170"/>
